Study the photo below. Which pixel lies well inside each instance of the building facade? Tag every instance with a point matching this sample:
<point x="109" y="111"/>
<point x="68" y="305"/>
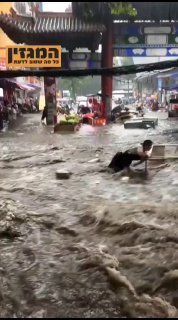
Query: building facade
<point x="5" y="7"/>
<point x="21" y="8"/>
<point x="26" y="8"/>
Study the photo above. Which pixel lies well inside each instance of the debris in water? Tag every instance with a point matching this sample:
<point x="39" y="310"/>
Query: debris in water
<point x="54" y="148"/>
<point x="94" y="160"/>
<point x="125" y="179"/>
<point x="63" y="174"/>
<point x="67" y="231"/>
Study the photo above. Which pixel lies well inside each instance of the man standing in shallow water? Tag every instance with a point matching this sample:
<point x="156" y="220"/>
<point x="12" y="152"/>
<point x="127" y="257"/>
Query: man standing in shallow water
<point x="123" y="160"/>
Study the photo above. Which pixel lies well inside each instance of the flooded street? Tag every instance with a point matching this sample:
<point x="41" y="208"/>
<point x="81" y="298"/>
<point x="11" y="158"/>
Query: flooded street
<point x="92" y="245"/>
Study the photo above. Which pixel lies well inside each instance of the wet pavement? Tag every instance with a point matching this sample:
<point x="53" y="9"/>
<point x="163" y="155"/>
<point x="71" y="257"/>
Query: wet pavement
<point x="93" y="245"/>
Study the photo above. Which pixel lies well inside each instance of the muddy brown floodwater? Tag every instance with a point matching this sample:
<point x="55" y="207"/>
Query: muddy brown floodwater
<point x="93" y="245"/>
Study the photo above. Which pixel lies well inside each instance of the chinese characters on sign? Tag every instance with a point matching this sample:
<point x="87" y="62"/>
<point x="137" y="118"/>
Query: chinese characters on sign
<point x="33" y="56"/>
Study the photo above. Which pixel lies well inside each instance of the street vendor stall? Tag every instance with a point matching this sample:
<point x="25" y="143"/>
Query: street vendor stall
<point x="95" y="114"/>
<point x="69" y="123"/>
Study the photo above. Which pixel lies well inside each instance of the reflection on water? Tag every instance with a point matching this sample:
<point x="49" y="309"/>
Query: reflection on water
<point x="93" y="245"/>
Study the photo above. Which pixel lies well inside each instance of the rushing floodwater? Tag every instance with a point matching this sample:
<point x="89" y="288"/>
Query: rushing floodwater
<point x="93" y="245"/>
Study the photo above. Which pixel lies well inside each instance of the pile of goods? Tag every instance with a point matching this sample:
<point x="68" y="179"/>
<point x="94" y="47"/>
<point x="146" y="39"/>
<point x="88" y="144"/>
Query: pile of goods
<point x="71" y="119"/>
<point x="70" y="123"/>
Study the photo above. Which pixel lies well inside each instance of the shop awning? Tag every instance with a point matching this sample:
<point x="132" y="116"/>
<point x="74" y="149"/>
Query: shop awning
<point x="33" y="86"/>
<point x="19" y="85"/>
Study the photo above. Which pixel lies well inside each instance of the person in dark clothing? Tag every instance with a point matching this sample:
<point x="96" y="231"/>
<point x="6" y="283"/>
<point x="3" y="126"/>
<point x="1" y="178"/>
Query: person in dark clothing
<point x="44" y="114"/>
<point x="123" y="160"/>
<point x="5" y="114"/>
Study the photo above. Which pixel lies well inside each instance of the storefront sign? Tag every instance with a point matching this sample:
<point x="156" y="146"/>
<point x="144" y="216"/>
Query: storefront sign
<point x="33" y="56"/>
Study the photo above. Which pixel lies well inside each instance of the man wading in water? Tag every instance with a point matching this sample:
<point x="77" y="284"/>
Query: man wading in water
<point x="44" y="114"/>
<point x="123" y="160"/>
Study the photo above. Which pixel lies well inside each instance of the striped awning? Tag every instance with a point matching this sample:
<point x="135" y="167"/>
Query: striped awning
<point x="4" y="82"/>
<point x="20" y="85"/>
<point x="33" y="86"/>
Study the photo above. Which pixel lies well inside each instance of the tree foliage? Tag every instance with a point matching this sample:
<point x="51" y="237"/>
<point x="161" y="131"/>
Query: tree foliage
<point x="119" y="8"/>
<point x="102" y="12"/>
<point x="80" y="86"/>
